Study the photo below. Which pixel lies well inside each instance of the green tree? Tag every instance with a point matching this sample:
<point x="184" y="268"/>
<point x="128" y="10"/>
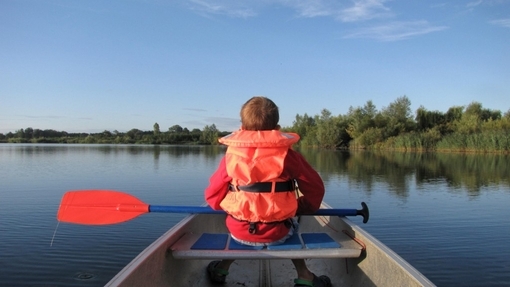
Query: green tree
<point x="361" y="119"/>
<point x="399" y="117"/>
<point x="428" y="119"/>
<point x="156" y="130"/>
<point x="507" y="114"/>
<point x="38" y="133"/>
<point x="454" y="113"/>
<point x="476" y="108"/>
<point x="134" y="135"/>
<point x="175" y="129"/>
<point x="210" y="134"/>
<point x="29" y="133"/>
<point x="302" y="124"/>
<point x="20" y="133"/>
<point x="328" y="131"/>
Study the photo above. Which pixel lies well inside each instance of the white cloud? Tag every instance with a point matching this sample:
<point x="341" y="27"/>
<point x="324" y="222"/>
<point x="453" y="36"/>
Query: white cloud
<point x="230" y="8"/>
<point x="344" y="11"/>
<point x="396" y="31"/>
<point x="501" y="22"/>
<point x="312" y="9"/>
<point x="357" y="10"/>
<point x="474" y="3"/>
<point x="365" y="10"/>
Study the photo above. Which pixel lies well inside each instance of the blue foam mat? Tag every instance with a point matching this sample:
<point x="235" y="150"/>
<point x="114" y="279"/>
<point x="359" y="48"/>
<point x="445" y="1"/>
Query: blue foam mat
<point x="218" y="241"/>
<point x="291" y="243"/>
<point x="211" y="241"/>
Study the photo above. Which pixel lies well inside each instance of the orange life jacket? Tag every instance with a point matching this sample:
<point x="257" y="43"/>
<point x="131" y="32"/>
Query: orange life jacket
<point x="254" y="160"/>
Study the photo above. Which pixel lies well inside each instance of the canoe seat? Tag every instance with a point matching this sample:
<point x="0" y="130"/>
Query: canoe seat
<point x="300" y="245"/>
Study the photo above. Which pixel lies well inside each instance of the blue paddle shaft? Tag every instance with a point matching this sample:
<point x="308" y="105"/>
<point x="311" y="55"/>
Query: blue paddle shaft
<point x="184" y="209"/>
<point x="209" y="210"/>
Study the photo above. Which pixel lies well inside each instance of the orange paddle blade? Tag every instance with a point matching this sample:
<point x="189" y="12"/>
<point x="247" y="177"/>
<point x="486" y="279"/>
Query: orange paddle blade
<point x="99" y="207"/>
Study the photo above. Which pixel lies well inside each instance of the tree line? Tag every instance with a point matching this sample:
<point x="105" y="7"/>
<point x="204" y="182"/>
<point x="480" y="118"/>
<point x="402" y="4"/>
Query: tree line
<point x="174" y="135"/>
<point x="470" y="128"/>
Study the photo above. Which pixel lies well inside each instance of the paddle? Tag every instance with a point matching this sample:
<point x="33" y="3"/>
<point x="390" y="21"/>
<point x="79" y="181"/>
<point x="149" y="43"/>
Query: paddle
<point x="100" y="207"/>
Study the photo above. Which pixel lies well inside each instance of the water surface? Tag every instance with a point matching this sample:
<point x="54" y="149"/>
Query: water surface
<point x="446" y="214"/>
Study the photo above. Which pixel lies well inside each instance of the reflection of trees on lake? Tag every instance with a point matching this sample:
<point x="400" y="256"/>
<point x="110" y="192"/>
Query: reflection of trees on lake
<point x="178" y="151"/>
<point x="203" y="153"/>
<point x="212" y="151"/>
<point x="473" y="171"/>
<point x="327" y="162"/>
<point x="370" y="169"/>
<point x="398" y="170"/>
<point x="178" y="154"/>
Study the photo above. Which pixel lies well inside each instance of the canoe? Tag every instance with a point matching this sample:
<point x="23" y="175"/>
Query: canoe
<point x="333" y="246"/>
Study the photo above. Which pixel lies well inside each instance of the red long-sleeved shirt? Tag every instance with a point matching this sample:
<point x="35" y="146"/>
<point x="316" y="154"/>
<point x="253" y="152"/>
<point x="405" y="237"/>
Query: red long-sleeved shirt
<point x="295" y="167"/>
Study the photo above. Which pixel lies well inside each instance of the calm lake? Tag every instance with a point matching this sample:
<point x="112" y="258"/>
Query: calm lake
<point x="446" y="214"/>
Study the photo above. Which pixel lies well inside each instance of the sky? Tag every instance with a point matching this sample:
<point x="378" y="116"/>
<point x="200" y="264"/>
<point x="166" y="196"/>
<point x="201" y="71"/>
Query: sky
<point x="90" y="66"/>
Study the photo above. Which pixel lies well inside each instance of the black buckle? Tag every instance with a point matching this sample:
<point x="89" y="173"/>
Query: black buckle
<point x="283" y="186"/>
<point x="253" y="228"/>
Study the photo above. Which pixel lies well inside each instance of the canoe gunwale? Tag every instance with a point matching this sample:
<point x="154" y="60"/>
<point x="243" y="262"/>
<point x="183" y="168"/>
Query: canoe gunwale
<point x="366" y="237"/>
<point x="172" y="235"/>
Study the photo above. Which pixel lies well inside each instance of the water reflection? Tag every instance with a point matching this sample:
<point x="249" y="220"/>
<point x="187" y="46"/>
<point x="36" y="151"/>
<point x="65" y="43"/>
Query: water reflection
<point x="471" y="172"/>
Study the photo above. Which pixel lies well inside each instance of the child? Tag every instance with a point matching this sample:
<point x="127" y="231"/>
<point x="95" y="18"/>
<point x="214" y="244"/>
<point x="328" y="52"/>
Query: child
<point x="255" y="185"/>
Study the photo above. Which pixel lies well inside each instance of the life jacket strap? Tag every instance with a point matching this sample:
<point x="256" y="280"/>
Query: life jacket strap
<point x="283" y="186"/>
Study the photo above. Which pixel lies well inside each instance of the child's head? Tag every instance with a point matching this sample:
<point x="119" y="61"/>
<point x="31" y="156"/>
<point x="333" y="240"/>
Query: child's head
<point x="259" y="113"/>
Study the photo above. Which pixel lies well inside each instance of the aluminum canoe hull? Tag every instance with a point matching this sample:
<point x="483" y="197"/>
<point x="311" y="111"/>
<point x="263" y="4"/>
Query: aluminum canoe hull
<point x="378" y="265"/>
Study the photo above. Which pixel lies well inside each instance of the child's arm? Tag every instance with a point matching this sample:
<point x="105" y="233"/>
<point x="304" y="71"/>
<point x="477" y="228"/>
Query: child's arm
<point x="218" y="186"/>
<point x="309" y="181"/>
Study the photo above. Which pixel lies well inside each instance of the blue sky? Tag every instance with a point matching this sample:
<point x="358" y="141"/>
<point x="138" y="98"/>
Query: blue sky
<point x="89" y="66"/>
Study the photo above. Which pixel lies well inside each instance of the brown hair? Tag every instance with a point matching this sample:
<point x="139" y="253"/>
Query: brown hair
<point x="259" y="113"/>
